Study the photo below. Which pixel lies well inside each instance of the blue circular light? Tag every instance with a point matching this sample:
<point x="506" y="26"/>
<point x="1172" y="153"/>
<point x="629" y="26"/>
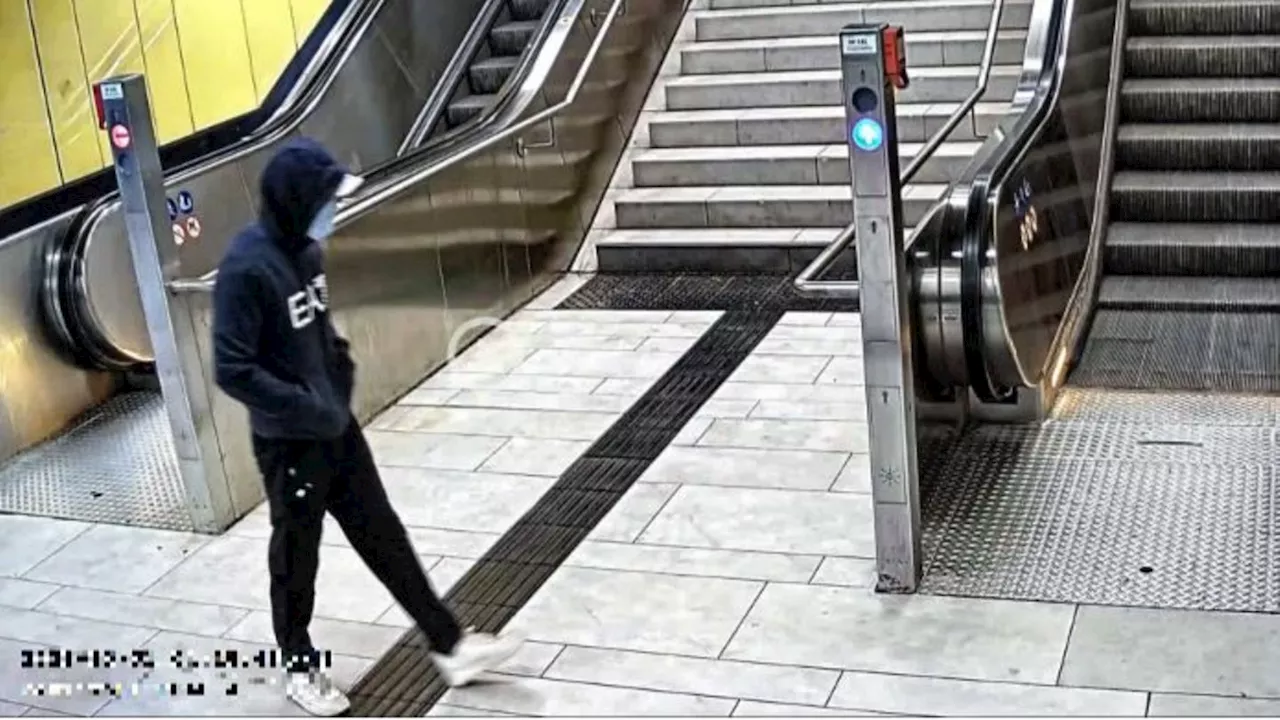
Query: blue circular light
<point x="867" y="134"/>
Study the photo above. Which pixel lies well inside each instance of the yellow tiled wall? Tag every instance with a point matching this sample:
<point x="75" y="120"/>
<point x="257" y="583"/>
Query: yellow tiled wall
<point x="206" y="61"/>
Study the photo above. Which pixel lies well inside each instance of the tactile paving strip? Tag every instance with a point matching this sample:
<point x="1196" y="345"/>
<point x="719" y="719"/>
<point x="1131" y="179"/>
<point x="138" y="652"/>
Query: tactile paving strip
<point x="118" y="465"/>
<point x="404" y="682"/>
<point x="699" y="292"/>
<point x="1120" y="498"/>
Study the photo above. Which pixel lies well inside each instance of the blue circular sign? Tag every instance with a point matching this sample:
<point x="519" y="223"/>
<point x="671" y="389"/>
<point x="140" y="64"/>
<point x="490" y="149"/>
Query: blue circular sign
<point x="172" y="207"/>
<point x="867" y="135"/>
<point x="186" y="203"/>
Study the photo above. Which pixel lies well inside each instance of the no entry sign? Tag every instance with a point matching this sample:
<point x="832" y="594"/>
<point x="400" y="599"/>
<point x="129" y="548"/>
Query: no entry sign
<point x="120" y="137"/>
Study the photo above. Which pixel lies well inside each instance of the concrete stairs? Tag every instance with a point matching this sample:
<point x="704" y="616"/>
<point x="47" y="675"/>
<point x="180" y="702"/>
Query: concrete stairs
<point x="739" y="162"/>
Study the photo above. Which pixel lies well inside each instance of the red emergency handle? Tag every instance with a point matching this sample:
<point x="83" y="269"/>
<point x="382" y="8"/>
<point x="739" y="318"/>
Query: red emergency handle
<point x="895" y="56"/>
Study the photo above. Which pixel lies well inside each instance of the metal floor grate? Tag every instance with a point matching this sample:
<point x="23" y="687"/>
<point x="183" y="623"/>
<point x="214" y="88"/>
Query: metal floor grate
<point x="404" y="682"/>
<point x="117" y="465"/>
<point x="698" y="292"/>
<point x="1120" y="498"/>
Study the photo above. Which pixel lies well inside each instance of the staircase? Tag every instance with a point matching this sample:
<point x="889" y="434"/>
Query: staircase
<point x="739" y="163"/>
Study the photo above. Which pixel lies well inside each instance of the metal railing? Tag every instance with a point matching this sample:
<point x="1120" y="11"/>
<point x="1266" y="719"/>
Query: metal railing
<point x="805" y="281"/>
<point x="364" y="203"/>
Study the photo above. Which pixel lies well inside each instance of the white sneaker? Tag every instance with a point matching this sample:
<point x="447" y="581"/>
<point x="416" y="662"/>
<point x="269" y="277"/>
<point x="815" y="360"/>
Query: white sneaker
<point x="474" y="654"/>
<point x="316" y="694"/>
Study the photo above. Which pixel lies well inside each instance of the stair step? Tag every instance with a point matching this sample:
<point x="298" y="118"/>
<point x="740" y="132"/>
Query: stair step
<point x="756" y="206"/>
<point x="963" y="47"/>
<point x="1193" y="249"/>
<point x="1200" y="99"/>
<point x="826" y="19"/>
<point x="781" y="164"/>
<point x="1190" y="294"/>
<point x="1202" y="56"/>
<point x="822" y="88"/>
<point x="460" y="111"/>
<point x="917" y="122"/>
<point x="1198" y="146"/>
<point x="774" y="250"/>
<point x="1186" y="196"/>
<point x="528" y="9"/>
<point x="1203" y="17"/>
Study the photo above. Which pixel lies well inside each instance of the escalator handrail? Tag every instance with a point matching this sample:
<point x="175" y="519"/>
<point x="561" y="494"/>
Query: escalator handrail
<point x="805" y="281"/>
<point x="366" y="201"/>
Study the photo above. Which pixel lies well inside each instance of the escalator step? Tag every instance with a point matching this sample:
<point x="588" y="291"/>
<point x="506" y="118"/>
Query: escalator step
<point x="1182" y="249"/>
<point x="468" y="107"/>
<point x="1213" y="196"/>
<point x="1203" y="17"/>
<point x="489" y="75"/>
<point x="513" y="37"/>
<point x="1200" y="99"/>
<point x="1190" y="294"/>
<point x="1198" y="146"/>
<point x="528" y="9"/>
<point x="1203" y="56"/>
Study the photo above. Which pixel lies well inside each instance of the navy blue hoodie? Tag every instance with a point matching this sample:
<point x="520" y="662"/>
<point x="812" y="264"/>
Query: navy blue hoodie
<point x="274" y="345"/>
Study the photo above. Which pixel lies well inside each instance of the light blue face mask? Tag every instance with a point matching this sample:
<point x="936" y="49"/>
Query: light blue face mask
<point x="322" y="227"/>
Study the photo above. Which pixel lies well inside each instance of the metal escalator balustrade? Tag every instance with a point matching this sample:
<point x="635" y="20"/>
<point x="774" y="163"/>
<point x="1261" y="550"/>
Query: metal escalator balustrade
<point x="100" y="318"/>
<point x="997" y="267"/>
<point x="1189" y="292"/>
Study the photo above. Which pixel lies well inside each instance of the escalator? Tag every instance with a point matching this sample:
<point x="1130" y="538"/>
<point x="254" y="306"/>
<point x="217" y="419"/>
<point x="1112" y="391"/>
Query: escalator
<point x="1191" y="268"/>
<point x="1098" y="295"/>
<point x="91" y="301"/>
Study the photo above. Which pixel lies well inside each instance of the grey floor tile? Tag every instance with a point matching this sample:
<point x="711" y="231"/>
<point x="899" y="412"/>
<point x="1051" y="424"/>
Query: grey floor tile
<point x="701" y="562"/>
<point x="1171" y="705"/>
<point x="8" y="709"/>
<point x="784" y="392"/>
<point x="422" y="396"/>
<point x="787" y="521"/>
<point x="855" y="476"/>
<point x="1212" y="653"/>
<point x="854" y="410"/>
<point x="637" y="611"/>
<point x="722" y="408"/>
<point x="633" y="513"/>
<point x="452" y="380"/>
<point x="669" y="673"/>
<point x="843" y="370"/>
<point x="473" y="502"/>
<point x="529" y="400"/>
<point x="598" y="363"/>
<point x="55" y="689"/>
<point x="490" y="358"/>
<point x="809" y="347"/>
<point x="345" y="588"/>
<point x="526" y="456"/>
<point x="337" y="636"/>
<point x="550" y="698"/>
<point x="443" y="710"/>
<point x="174" y="615"/>
<point x="113" y="557"/>
<point x="24" y="594"/>
<point x="856" y="629"/>
<point x="432" y="450"/>
<point x="917" y="696"/>
<point x="48" y="629"/>
<point x="539" y="424"/>
<point x="845" y="319"/>
<point x="795" y="469"/>
<point x="752" y="708"/>
<point x="42" y="712"/>
<point x="596" y="317"/>
<point x="692" y="431"/>
<point x="846" y="572"/>
<point x="251" y="691"/>
<point x="452" y="543"/>
<point x="820" y="435"/>
<point x="25" y="541"/>
<point x="630" y="388"/>
<point x="779" y="369"/>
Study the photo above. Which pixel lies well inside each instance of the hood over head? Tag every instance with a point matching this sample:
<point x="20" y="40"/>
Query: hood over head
<point x="296" y="184"/>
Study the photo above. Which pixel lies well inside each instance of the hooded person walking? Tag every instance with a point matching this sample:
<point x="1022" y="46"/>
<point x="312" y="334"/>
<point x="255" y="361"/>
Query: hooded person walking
<point x="277" y="351"/>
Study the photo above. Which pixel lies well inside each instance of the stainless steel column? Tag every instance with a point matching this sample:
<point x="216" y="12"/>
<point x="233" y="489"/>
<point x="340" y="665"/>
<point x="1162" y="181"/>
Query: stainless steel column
<point x="871" y="60"/>
<point x="126" y="117"/>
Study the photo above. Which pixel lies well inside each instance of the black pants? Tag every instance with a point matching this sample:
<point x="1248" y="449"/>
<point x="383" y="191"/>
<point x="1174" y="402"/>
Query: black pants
<point x="306" y="478"/>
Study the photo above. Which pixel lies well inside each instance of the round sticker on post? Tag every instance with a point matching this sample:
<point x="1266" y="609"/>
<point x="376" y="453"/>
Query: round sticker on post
<point x="120" y="137"/>
<point x="179" y="234"/>
<point x="193" y="227"/>
<point x="186" y="203"/>
<point x="172" y="208"/>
